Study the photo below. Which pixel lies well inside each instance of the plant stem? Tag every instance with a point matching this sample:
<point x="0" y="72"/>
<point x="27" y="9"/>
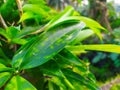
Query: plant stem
<point x="40" y="30"/>
<point x="19" y="5"/>
<point x="3" y="22"/>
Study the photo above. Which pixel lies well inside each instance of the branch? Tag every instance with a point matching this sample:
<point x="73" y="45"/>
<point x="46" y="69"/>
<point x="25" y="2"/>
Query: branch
<point x="3" y="22"/>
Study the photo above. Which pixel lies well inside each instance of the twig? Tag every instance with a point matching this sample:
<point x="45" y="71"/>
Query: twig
<point x="40" y="30"/>
<point x="3" y="22"/>
<point x="19" y="5"/>
<point x="3" y="39"/>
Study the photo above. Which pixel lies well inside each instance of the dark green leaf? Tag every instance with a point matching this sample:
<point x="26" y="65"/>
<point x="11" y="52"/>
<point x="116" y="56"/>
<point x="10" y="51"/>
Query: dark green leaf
<point x="36" y="54"/>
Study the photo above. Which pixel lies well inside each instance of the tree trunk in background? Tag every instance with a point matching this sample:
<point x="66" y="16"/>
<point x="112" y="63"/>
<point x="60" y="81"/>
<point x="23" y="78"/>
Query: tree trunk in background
<point x="98" y="11"/>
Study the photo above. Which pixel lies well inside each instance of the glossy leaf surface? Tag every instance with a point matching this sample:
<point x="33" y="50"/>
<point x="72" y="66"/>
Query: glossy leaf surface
<point x="36" y="54"/>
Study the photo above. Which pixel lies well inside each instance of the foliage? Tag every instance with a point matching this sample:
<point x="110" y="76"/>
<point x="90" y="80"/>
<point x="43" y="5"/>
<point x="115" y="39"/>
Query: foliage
<point x="42" y="55"/>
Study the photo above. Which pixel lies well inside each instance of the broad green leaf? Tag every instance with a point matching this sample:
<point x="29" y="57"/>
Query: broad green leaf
<point x="105" y="48"/>
<point x="4" y="77"/>
<point x="3" y="68"/>
<point x="36" y="53"/>
<point x="95" y="26"/>
<point x="19" y="83"/>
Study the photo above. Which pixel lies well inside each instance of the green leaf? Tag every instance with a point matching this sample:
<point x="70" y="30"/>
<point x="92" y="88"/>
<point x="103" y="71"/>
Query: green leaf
<point x="44" y="47"/>
<point x="12" y="32"/>
<point x="19" y="83"/>
<point x="34" y="11"/>
<point x="4" y="34"/>
<point x="26" y="15"/>
<point x="82" y="36"/>
<point x="92" y="24"/>
<point x="53" y="86"/>
<point x="105" y="48"/>
<point x="59" y="82"/>
<point x="19" y="41"/>
<point x="67" y="59"/>
<point x="3" y="68"/>
<point x="60" y="18"/>
<point x="27" y="31"/>
<point x="80" y="79"/>
<point x="37" y="2"/>
<point x="52" y="68"/>
<point x="4" y="77"/>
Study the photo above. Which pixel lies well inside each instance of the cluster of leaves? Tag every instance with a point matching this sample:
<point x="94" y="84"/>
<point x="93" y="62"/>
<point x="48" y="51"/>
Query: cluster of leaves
<point x="46" y="55"/>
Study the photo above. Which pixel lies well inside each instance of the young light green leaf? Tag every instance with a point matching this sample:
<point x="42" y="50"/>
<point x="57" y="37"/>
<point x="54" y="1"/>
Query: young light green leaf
<point x="4" y="77"/>
<point x="104" y="48"/>
<point x="82" y="36"/>
<point x="19" y="83"/>
<point x="26" y="15"/>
